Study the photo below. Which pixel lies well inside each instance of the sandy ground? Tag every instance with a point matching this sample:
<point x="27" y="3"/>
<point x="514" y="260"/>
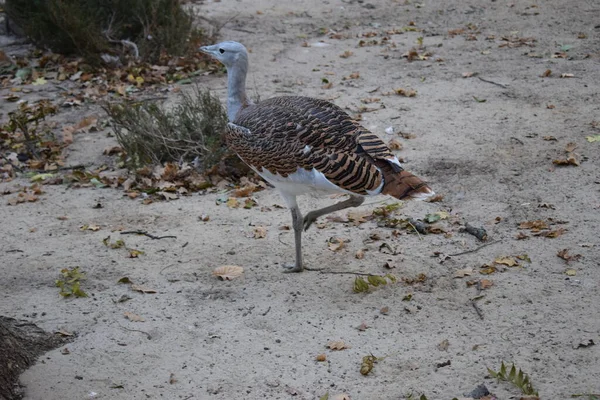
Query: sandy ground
<point x="257" y="337"/>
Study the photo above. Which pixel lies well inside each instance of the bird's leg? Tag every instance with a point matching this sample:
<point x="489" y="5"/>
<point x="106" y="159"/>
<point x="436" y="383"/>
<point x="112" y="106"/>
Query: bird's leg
<point x="353" y="201"/>
<point x="297" y="223"/>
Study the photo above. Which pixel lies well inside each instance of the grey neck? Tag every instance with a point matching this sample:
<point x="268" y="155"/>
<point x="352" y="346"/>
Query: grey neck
<point x="236" y="88"/>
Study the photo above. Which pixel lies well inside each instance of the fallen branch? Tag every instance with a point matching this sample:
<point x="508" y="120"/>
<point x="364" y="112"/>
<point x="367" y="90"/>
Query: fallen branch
<point x="147" y="234"/>
<point x="418" y="226"/>
<point x="78" y="166"/>
<point x="479" y="233"/>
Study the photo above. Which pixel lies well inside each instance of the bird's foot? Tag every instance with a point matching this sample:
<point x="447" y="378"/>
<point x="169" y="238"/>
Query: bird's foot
<point x="292" y="267"/>
<point x="308" y="220"/>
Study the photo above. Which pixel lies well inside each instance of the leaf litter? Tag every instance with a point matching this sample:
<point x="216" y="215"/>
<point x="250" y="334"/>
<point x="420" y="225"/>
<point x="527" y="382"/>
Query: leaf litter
<point x="228" y="272"/>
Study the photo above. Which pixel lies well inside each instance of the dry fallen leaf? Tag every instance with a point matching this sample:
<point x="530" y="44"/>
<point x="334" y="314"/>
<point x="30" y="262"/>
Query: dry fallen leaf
<point x="168" y="195"/>
<point x="260" y="232"/>
<point x="358" y="217"/>
<point x="142" y="289"/>
<point x="133" y="317"/>
<point x="564" y="254"/>
<point x="245" y="190"/>
<point x="321" y="357"/>
<point x="436" y="198"/>
<point x="534" y="226"/>
<point x="461" y="273"/>
<point x="511" y="262"/>
<point x="443" y="346"/>
<point x="395" y="144"/>
<point x="552" y="234"/>
<point x="341" y="396"/>
<point x="112" y="150"/>
<point x="362" y="327"/>
<point x="135" y="253"/>
<point x="335" y="244"/>
<point x="337" y="345"/>
<point x="67" y="135"/>
<point x="521" y="236"/>
<point x="570" y="160"/>
<point x="405" y="92"/>
<point x="485" y="283"/>
<point x="90" y="227"/>
<point x="232" y="202"/>
<point x="570" y="147"/>
<point x="369" y="100"/>
<point x="228" y="272"/>
<point x="487" y="269"/>
<point x="571" y="272"/>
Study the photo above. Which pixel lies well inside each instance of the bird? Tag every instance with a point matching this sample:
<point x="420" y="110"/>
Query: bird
<point x="304" y="145"/>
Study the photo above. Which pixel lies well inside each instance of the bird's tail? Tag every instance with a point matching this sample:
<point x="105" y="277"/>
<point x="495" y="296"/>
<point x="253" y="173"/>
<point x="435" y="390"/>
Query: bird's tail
<point x="401" y="184"/>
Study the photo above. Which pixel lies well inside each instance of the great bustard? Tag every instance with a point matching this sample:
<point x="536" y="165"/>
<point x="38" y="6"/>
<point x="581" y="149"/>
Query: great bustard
<point x="302" y="145"/>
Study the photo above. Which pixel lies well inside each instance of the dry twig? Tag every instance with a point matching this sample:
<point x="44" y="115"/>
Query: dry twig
<point x="147" y="234"/>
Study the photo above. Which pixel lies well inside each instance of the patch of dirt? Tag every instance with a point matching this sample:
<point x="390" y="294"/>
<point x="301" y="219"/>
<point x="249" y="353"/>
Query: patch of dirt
<point x="479" y="142"/>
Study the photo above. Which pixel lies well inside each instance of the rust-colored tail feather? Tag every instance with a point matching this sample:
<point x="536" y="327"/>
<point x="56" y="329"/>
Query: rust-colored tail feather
<point x="402" y="184"/>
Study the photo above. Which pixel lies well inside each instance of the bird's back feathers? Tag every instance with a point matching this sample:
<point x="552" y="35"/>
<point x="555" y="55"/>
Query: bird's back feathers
<point x="282" y="135"/>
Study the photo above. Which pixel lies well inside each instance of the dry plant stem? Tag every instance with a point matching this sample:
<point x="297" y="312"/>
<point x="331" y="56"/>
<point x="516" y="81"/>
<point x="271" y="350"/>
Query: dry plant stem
<point x="78" y="166"/>
<point x="13" y="165"/>
<point x="475" y="306"/>
<point x="125" y="43"/>
<point x="137" y="330"/>
<point x="492" y="82"/>
<point x="474" y="250"/>
<point x="147" y="234"/>
<point x="342" y="272"/>
<point x="28" y="140"/>
<point x="477" y="309"/>
<point x="281" y="241"/>
<point x="418" y="226"/>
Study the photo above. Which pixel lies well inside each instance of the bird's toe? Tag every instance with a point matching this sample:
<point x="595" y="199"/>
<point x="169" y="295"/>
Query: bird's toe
<point x="292" y="267"/>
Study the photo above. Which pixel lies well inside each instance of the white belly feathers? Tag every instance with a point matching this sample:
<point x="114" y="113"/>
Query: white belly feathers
<point x="305" y="181"/>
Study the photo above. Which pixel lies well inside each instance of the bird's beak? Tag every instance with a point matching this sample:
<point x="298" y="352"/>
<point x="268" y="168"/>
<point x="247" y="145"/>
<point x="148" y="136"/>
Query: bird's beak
<point x="210" y="50"/>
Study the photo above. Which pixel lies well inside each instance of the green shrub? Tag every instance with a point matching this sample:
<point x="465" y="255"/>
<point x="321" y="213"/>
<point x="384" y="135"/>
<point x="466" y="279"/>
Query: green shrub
<point x="90" y="28"/>
<point x="192" y="130"/>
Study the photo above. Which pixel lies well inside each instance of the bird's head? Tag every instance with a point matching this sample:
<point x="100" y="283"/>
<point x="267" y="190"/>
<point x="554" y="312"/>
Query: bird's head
<point x="228" y="53"/>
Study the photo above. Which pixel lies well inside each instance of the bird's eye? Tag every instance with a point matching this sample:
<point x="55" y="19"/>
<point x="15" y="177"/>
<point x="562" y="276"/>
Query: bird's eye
<point x="221" y="51"/>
